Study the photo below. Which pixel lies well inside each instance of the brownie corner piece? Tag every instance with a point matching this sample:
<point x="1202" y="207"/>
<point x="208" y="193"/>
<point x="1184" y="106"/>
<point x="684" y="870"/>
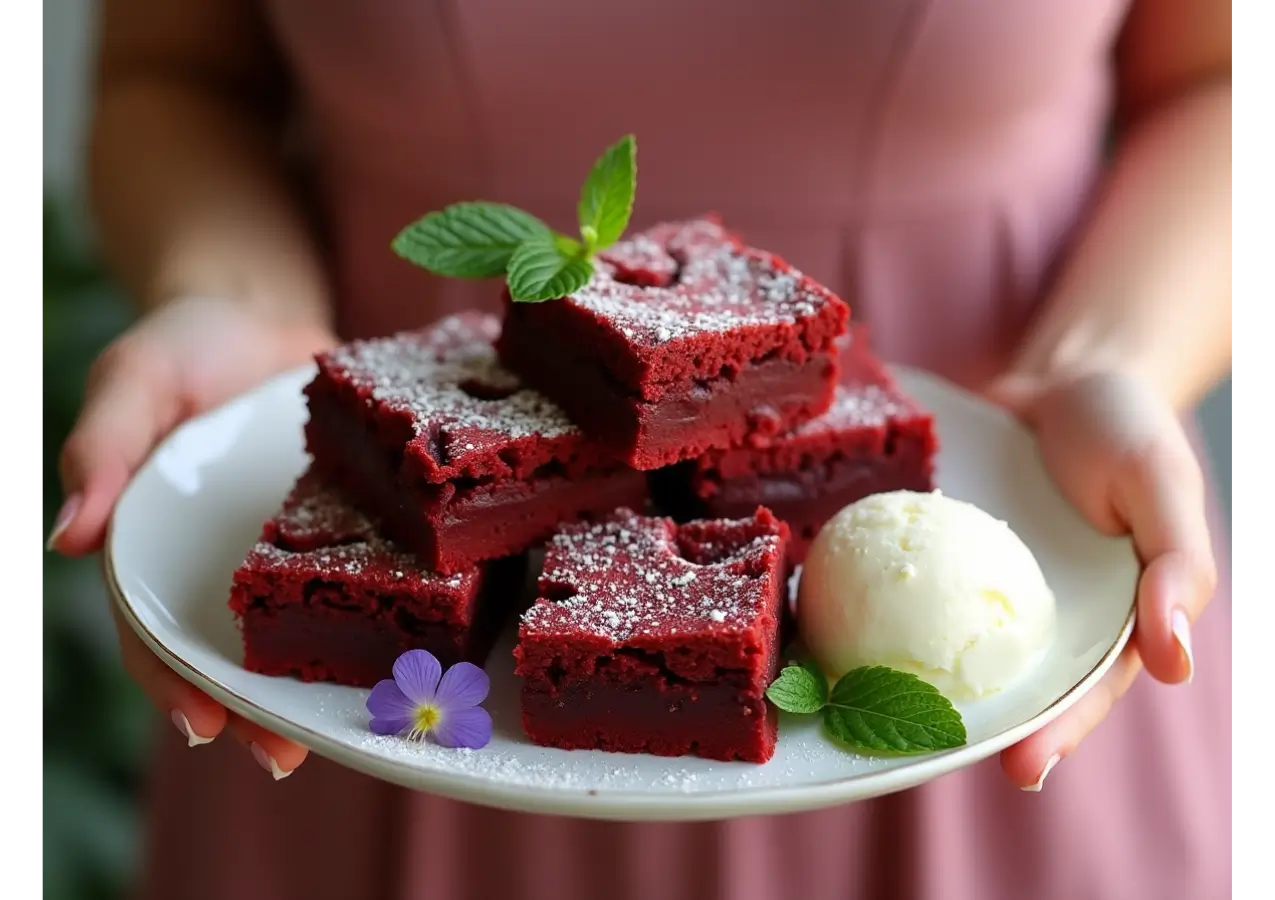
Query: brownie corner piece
<point x="874" y="438"/>
<point x="323" y="596"/>
<point x="458" y="458"/>
<point x="647" y="636"/>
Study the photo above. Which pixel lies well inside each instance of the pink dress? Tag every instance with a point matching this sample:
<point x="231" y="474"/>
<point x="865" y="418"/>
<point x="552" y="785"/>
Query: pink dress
<point x="926" y="159"/>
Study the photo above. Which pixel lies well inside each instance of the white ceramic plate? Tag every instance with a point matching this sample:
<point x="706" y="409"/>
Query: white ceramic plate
<point x="187" y="519"/>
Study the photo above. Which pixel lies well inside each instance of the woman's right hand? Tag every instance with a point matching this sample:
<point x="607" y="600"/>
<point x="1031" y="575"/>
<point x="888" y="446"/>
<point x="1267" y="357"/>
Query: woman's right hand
<point x="185" y="357"/>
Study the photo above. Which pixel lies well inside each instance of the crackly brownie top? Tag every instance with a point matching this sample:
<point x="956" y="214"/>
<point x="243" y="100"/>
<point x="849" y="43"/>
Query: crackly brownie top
<point x="682" y="279"/>
<point x="470" y="417"/>
<point x="637" y="576"/>
<point x="319" y="534"/>
<point x="679" y="302"/>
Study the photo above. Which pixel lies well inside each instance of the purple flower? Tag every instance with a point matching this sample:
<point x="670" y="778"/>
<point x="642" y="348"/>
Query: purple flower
<point x="422" y="702"/>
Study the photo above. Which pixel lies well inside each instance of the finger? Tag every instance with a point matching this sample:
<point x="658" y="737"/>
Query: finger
<point x="277" y="755"/>
<point x="1031" y="759"/>
<point x="1160" y="495"/>
<point x="1017" y="393"/>
<point x="196" y="715"/>
<point x="131" y="400"/>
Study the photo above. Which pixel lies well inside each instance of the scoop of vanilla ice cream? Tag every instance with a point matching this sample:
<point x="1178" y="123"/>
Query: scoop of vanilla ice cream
<point x="928" y="585"/>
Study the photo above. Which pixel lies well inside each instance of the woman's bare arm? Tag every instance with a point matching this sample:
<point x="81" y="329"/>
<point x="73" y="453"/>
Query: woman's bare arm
<point x="188" y="182"/>
<point x="1148" y="286"/>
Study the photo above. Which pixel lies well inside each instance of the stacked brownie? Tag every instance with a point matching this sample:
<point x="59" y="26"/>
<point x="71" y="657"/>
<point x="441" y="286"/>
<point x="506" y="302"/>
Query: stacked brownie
<point x="872" y="439"/>
<point x="685" y="341"/>
<point x="460" y="460"/>
<point x="433" y="470"/>
<point x="711" y="369"/>
<point x="325" y="597"/>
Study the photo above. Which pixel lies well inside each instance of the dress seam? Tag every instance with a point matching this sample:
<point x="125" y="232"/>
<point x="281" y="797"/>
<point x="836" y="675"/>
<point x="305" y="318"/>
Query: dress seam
<point x="872" y="138"/>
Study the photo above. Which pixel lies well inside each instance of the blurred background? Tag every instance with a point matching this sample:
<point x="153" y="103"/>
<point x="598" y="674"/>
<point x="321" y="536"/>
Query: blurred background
<point x="94" y="760"/>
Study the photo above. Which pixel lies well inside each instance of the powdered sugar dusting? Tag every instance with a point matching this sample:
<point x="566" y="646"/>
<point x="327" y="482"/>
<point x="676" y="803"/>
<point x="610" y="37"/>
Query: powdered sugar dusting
<point x="860" y="406"/>
<point x="318" y="533"/>
<point x="805" y="755"/>
<point x="721" y="285"/>
<point x="527" y="766"/>
<point x="448" y="380"/>
<point x="518" y="768"/>
<point x="630" y="575"/>
<point x="315" y="514"/>
<point x="364" y="558"/>
<point x="644" y="257"/>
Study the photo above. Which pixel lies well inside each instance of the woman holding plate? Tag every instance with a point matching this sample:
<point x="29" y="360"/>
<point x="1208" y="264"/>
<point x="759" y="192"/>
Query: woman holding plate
<point x="944" y="166"/>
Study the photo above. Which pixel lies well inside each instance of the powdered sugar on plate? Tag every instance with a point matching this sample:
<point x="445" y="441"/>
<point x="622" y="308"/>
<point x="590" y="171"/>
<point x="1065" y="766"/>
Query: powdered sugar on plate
<point x="512" y="760"/>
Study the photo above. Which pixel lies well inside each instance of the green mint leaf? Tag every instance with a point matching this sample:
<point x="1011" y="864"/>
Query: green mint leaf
<point x="468" y="240"/>
<point x="606" y="200"/>
<point x="541" y="270"/>
<point x="821" y="680"/>
<point x="799" y="689"/>
<point x="876" y="709"/>
<point x="568" y="246"/>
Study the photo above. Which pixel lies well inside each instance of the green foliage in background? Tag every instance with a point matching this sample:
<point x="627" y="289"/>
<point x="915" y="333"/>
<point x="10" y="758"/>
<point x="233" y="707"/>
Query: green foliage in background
<point x="96" y="723"/>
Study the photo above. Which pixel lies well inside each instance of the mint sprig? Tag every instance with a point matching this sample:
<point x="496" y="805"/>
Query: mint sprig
<point x="478" y="239"/>
<point x="874" y="710"/>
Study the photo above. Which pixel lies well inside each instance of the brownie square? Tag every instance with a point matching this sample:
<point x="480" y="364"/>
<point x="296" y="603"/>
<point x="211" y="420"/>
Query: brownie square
<point x="323" y="596"/>
<point x="873" y="439"/>
<point x="457" y="458"/>
<point x="685" y="340"/>
<point x="652" y="637"/>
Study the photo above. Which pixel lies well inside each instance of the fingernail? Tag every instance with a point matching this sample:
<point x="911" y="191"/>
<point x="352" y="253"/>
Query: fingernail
<point x="266" y="761"/>
<point x="66" y="515"/>
<point x="1040" y="782"/>
<point x="1182" y="634"/>
<point x="183" y="725"/>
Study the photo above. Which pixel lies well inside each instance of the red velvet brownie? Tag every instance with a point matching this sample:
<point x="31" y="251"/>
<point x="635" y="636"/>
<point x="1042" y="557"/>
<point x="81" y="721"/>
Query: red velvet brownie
<point x="324" y="597"/>
<point x="651" y="637"/>
<point x="873" y="439"/>
<point x="685" y="340"/>
<point x="457" y="458"/>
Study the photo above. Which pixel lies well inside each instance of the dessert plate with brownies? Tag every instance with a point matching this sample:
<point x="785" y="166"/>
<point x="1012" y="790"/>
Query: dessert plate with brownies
<point x="609" y="502"/>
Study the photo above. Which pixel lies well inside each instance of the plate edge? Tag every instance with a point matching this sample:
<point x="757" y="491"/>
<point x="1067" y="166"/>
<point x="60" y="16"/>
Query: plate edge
<point x="616" y="806"/>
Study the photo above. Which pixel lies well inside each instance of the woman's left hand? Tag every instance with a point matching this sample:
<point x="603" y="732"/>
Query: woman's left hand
<point x="1117" y="451"/>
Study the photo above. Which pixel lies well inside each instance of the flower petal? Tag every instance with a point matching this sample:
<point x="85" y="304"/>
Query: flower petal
<point x="417" y="672"/>
<point x="390" y="725"/>
<point x="469" y="727"/>
<point x="463" y="685"/>
<point x="392" y="712"/>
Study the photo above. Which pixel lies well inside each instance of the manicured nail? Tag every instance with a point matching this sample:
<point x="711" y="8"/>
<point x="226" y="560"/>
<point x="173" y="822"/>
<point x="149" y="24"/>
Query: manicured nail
<point x="66" y="515"/>
<point x="1040" y="782"/>
<point x="183" y="725"/>
<point x="266" y="761"/>
<point x="1182" y="634"/>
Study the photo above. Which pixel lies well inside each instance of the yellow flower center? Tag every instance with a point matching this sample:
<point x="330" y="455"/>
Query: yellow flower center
<point x="427" y="716"/>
